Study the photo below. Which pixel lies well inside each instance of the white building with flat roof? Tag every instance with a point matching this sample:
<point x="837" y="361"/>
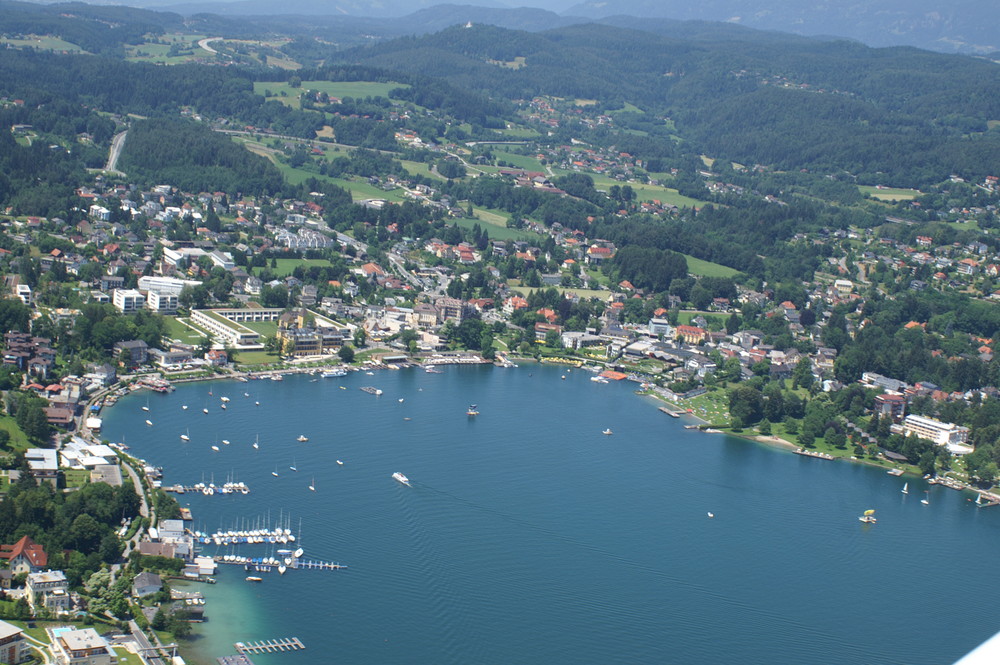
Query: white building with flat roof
<point x="13" y="647"/>
<point x="161" y="284"/>
<point x="943" y="434"/>
<point x="162" y="303"/>
<point x="128" y="301"/>
<point x="81" y="647"/>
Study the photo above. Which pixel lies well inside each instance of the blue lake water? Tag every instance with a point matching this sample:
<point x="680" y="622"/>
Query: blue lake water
<point x="528" y="536"/>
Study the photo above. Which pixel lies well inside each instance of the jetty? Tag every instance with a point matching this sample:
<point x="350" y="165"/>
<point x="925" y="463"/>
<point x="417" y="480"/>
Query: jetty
<point x="269" y="564"/>
<point x="895" y="472"/>
<point x="371" y="390"/>
<point x="270" y="646"/>
<point x="672" y="414"/>
<point x="813" y="453"/>
<point x="208" y="490"/>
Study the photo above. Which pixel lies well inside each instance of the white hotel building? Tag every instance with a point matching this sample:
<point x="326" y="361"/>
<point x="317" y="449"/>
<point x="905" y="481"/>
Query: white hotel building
<point x="943" y="434"/>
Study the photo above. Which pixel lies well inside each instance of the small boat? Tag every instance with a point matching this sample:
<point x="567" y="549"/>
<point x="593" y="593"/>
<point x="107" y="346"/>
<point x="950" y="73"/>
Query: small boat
<point x="343" y="388"/>
<point x="186" y="436"/>
<point x="225" y="442"/>
<point x="275" y="472"/>
<point x="302" y="437"/>
<point x="281" y="569"/>
<point x="711" y="514"/>
<point x="215" y="448"/>
<point x="607" y="431"/>
<point x="340" y="463"/>
<point x="254" y="578"/>
<point x="906" y="488"/>
<point x="472" y="411"/>
<point x="184" y="407"/>
<point x="868" y="517"/>
<point x="401" y="478"/>
<point x="563" y="377"/>
<point x="401" y="400"/>
<point x="926" y="498"/>
<point x="312" y="487"/>
<point x="293" y="468"/>
<point x="370" y="373"/>
<point x="979" y="499"/>
<point x="246" y="394"/>
<point x="224" y="399"/>
<point x="299" y="552"/>
<point x="205" y="410"/>
<point x="149" y="422"/>
<point x="256" y="442"/>
<point x="256" y="403"/>
<point x="223" y="406"/>
<point x="145" y="408"/>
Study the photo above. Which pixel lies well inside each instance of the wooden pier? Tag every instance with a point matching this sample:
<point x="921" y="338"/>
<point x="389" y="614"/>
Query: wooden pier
<point x="672" y="414"/>
<point x="270" y="646"/>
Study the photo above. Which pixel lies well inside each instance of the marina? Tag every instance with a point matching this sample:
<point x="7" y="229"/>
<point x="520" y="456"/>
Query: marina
<point x="209" y="489"/>
<point x="270" y="646"/>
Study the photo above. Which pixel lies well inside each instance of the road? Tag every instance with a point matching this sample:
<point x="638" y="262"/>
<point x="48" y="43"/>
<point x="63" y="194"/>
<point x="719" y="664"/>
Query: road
<point x="141" y="639"/>
<point x="116" y="149"/>
<point x="204" y="43"/>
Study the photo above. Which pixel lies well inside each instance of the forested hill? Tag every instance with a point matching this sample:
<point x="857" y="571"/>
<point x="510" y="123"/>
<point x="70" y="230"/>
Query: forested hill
<point x="791" y="103"/>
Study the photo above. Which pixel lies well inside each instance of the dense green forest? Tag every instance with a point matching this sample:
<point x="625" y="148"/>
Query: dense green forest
<point x="196" y="159"/>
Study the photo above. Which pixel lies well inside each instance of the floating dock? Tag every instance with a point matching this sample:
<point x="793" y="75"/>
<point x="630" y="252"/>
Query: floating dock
<point x="208" y="490"/>
<point x="813" y="453"/>
<point x="672" y="414"/>
<point x="270" y="646"/>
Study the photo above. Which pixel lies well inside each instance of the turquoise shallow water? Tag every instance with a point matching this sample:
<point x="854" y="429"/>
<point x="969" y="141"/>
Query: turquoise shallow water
<point x="530" y="537"/>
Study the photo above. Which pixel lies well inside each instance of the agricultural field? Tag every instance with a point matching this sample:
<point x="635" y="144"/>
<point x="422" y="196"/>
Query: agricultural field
<point x="644" y="192"/>
<point x="526" y="162"/>
<point x="888" y="193"/>
<point x="339" y="89"/>
<point x="420" y="168"/>
<point x="168" y="49"/>
<point x="42" y="43"/>
<point x="497" y="232"/>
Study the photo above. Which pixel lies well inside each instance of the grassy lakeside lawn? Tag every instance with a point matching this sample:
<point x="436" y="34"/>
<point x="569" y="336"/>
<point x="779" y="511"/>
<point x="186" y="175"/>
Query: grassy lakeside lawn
<point x="703" y="268"/>
<point x="889" y="193"/>
<point x="340" y="89"/>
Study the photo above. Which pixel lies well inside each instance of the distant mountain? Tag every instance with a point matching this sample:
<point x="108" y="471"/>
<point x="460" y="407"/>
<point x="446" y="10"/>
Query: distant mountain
<point x="360" y="8"/>
<point x="964" y="26"/>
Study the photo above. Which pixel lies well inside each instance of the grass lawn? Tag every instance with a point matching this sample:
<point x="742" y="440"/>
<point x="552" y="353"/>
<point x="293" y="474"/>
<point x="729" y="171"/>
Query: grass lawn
<point x="420" y="168"/>
<point x="76" y="477"/>
<point x="263" y="328"/>
<point x="126" y="658"/>
<point x="179" y="331"/>
<point x="685" y="315"/>
<point x="889" y="193"/>
<point x="339" y="89"/>
<point x="644" y="192"/>
<point x="18" y="439"/>
<point x="708" y="269"/>
<point x="525" y="162"/>
<point x="712" y="407"/>
<point x="256" y="358"/>
<point x="285" y="267"/>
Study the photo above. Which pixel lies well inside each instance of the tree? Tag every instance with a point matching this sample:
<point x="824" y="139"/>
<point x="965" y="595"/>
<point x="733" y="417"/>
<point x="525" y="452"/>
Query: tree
<point x="553" y="339"/>
<point x="346" y="354"/>
<point x="746" y="403"/>
<point x="360" y="337"/>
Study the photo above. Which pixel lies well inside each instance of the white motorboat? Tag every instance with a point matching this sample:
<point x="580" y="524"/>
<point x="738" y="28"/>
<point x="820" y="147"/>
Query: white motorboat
<point x="608" y="432"/>
<point x="340" y="463"/>
<point x="302" y="437"/>
<point x="149" y="422"/>
<point x="186" y="436"/>
<point x="401" y="478"/>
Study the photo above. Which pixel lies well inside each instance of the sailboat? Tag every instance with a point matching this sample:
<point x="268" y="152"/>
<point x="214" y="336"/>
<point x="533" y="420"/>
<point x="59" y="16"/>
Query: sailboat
<point x="256" y="443"/>
<point x="868" y="517"/>
<point x="472" y="410"/>
<point x="186" y="436"/>
<point x="906" y="488"/>
<point x="979" y="499"/>
<point x="275" y="472"/>
<point x="146" y="408"/>
<point x="149" y="422"/>
<point x="292" y="467"/>
<point x="925" y="500"/>
<point x="312" y="484"/>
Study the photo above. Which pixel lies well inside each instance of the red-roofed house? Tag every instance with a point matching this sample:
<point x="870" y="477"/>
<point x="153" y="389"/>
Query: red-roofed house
<point x="692" y="334"/>
<point x="372" y="270"/>
<point x="25" y="556"/>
